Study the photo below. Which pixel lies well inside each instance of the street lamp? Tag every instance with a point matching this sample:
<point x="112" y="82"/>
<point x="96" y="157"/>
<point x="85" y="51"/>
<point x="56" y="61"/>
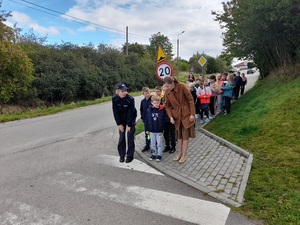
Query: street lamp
<point x="178" y="45"/>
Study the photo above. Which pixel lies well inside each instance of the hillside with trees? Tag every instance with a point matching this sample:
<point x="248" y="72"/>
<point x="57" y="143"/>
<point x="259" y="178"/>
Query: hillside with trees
<point x="265" y="122"/>
<point x="265" y="31"/>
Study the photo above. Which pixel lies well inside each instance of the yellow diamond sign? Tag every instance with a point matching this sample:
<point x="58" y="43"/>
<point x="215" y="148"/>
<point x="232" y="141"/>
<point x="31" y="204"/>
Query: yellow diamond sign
<point x="202" y="61"/>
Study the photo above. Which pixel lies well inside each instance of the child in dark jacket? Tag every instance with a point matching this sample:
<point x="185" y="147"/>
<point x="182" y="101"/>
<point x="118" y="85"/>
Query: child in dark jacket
<point x="154" y="125"/>
<point x="145" y="103"/>
<point x="169" y="128"/>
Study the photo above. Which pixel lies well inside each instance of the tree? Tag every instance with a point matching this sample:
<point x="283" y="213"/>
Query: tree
<point x="63" y="73"/>
<point x="163" y="41"/>
<point x="16" y="69"/>
<point x="211" y="65"/>
<point x="183" y="65"/>
<point x="16" y="72"/>
<point x="266" y="31"/>
<point x="6" y="33"/>
<point x="227" y="59"/>
<point x="250" y="65"/>
<point x="223" y="63"/>
<point x="31" y="37"/>
<point x="134" y="48"/>
<point x="193" y="62"/>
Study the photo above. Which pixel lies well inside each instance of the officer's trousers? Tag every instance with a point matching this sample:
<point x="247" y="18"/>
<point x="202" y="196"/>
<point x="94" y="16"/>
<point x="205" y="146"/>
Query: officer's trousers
<point x="130" y="142"/>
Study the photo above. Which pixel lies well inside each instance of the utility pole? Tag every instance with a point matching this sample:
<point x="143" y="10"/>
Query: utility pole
<point x="178" y="50"/>
<point x="126" y="40"/>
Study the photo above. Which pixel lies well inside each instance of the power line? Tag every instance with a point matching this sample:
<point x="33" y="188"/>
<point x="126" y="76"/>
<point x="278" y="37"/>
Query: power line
<point x="32" y="8"/>
<point x="74" y="19"/>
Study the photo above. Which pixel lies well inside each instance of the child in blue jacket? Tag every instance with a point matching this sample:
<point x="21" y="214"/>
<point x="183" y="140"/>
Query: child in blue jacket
<point x="154" y="125"/>
<point x="228" y="90"/>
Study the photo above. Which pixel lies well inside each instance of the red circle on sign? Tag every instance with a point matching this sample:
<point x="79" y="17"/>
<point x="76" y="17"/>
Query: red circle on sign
<point x="163" y="70"/>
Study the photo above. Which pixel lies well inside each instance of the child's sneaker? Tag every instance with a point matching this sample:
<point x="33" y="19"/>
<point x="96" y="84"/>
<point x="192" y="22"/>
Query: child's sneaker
<point x="153" y="157"/>
<point x="158" y="158"/>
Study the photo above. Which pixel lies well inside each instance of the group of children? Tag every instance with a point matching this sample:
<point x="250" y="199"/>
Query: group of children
<point x="158" y="128"/>
<point x="212" y="95"/>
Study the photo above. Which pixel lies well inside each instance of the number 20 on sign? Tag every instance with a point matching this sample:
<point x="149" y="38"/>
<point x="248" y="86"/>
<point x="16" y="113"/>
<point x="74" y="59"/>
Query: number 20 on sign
<point x="163" y="70"/>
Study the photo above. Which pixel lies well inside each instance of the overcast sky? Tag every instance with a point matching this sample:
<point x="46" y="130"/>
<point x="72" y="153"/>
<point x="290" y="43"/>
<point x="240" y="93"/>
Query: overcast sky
<point x="109" y="19"/>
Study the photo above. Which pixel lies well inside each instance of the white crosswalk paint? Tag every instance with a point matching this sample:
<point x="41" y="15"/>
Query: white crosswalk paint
<point x="21" y="213"/>
<point x="136" y="165"/>
<point x="177" y="206"/>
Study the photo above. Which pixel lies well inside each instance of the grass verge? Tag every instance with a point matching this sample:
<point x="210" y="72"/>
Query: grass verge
<point x="265" y="122"/>
<point x="139" y="127"/>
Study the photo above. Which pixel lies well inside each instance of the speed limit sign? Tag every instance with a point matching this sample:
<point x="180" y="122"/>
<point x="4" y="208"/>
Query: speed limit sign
<point x="163" y="70"/>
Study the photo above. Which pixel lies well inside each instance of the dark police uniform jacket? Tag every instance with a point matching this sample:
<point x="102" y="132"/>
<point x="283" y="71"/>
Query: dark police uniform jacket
<point x="124" y="110"/>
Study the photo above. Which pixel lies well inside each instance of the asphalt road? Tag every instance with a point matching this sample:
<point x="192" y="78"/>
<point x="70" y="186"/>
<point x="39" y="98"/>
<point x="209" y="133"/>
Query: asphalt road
<point x="63" y="169"/>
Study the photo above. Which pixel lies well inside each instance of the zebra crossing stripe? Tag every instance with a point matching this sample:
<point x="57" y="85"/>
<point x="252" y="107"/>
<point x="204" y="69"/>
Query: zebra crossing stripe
<point x="168" y="204"/>
<point x="136" y="165"/>
<point x="22" y="213"/>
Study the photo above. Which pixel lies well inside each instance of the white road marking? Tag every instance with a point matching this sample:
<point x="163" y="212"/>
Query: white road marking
<point x="21" y="213"/>
<point x="136" y="165"/>
<point x="177" y="206"/>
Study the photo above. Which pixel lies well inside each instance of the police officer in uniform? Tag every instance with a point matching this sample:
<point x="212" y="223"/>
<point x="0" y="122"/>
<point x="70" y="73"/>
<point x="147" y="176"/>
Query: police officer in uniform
<point x="125" y="115"/>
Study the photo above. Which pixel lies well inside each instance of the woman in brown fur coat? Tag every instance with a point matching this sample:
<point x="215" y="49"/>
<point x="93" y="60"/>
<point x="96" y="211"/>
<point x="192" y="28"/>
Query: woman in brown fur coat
<point x="180" y="108"/>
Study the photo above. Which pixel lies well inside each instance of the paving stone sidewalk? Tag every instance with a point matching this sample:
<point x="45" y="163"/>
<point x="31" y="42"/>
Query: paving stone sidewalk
<point x="214" y="166"/>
